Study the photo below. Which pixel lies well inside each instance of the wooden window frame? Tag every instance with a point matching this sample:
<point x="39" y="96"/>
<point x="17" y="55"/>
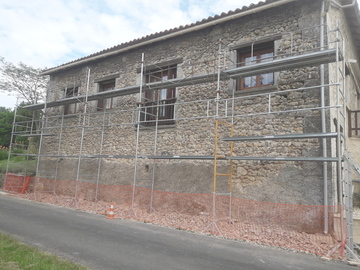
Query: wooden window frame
<point x="106" y="103"/>
<point x="353" y="123"/>
<point x="254" y="51"/>
<point x="160" y="102"/>
<point x="71" y="92"/>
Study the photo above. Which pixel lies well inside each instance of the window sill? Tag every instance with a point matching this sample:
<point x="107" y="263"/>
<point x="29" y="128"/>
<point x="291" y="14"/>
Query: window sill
<point x="152" y="127"/>
<point x="105" y="110"/>
<point x="73" y="115"/>
<point x="256" y="90"/>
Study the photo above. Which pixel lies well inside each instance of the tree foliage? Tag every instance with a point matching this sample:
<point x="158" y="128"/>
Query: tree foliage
<point x="6" y="120"/>
<point x="23" y="80"/>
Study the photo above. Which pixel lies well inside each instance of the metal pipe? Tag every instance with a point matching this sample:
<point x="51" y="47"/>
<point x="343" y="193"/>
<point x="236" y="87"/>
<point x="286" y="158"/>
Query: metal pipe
<point x="323" y="117"/>
<point x="218" y="80"/>
<point x="344" y="113"/>
<point x="154" y="151"/>
<point x="138" y="130"/>
<point x="58" y="152"/>
<point x="43" y="118"/>
<point x="282" y="137"/>
<point x="100" y="159"/>
<point x="12" y="137"/>
<point x="338" y="141"/>
<point x="82" y="135"/>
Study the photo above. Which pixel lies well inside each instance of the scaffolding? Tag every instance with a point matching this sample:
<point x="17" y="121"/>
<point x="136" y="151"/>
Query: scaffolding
<point x="218" y="111"/>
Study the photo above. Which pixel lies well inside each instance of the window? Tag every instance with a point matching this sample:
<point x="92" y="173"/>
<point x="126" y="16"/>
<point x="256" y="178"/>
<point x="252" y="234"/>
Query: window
<point x="252" y="55"/>
<point x="106" y="103"/>
<point x="160" y="103"/>
<point x="71" y="108"/>
<point x="354" y="123"/>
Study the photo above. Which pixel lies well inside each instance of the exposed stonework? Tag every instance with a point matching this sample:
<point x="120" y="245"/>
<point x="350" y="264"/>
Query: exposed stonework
<point x="193" y="133"/>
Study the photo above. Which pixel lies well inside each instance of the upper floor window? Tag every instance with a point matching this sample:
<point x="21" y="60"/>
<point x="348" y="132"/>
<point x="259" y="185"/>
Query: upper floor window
<point x="160" y="103"/>
<point x="253" y="55"/>
<point x="71" y="108"/>
<point x="354" y="123"/>
<point x="106" y="103"/>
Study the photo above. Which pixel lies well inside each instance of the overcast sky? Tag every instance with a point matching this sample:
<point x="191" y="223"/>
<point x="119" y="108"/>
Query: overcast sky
<point x="47" y="33"/>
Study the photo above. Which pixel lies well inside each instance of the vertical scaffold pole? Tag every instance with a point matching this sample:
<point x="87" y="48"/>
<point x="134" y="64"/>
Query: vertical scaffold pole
<point x="323" y="120"/>
<point x="11" y="140"/>
<point x="138" y="130"/>
<point x="100" y="159"/>
<point x="155" y="152"/>
<point x="82" y="135"/>
<point x="218" y="82"/>
<point x="216" y="130"/>
<point x="43" y="119"/>
<point x="58" y="152"/>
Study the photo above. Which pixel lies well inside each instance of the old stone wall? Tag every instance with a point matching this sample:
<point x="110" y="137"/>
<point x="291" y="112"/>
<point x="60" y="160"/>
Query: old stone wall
<point x="193" y="133"/>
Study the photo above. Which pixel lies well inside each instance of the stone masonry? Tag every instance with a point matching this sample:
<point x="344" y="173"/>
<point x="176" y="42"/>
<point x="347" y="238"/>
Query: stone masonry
<point x="113" y="132"/>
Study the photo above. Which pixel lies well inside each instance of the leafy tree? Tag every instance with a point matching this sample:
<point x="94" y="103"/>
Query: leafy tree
<point x="23" y="80"/>
<point x="6" y="120"/>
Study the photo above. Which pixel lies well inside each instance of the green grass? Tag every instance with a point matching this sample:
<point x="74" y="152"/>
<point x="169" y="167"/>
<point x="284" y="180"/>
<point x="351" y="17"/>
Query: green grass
<point x="15" y="255"/>
<point x="17" y="164"/>
<point x="3" y="154"/>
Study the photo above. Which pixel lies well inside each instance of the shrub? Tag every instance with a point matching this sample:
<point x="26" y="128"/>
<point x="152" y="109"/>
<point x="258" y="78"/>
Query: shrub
<point x="2" y="178"/>
<point x="4" y="154"/>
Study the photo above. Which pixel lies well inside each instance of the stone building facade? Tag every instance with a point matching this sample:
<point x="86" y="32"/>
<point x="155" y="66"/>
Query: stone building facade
<point x="101" y="121"/>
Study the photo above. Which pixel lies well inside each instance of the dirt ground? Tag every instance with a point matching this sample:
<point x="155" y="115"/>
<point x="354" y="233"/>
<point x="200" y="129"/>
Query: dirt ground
<point x="315" y="243"/>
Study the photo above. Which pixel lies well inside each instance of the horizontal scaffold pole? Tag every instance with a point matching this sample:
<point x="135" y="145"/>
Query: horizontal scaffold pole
<point x="313" y="58"/>
<point x="282" y="137"/>
<point x="319" y="159"/>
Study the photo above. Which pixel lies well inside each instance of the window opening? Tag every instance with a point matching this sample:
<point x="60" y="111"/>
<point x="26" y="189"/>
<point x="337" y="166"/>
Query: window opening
<point x="159" y="102"/>
<point x="71" y="108"/>
<point x="253" y="55"/>
<point x="106" y="103"/>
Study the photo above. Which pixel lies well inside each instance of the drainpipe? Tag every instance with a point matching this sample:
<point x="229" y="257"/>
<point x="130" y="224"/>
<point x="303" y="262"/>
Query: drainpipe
<point x="323" y="117"/>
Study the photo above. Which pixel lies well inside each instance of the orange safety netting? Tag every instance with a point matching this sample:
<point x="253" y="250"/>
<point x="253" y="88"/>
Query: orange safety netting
<point x="16" y="183"/>
<point x="299" y="227"/>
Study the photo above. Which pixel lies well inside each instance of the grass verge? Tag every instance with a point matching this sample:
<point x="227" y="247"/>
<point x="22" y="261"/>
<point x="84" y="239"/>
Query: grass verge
<point x="17" y="164"/>
<point x="15" y="255"/>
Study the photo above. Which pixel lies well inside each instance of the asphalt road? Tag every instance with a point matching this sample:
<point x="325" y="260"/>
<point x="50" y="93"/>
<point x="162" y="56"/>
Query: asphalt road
<point x="104" y="244"/>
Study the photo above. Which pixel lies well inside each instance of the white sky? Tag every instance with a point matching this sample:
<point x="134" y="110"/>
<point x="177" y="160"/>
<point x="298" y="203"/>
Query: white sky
<point x="47" y="33"/>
